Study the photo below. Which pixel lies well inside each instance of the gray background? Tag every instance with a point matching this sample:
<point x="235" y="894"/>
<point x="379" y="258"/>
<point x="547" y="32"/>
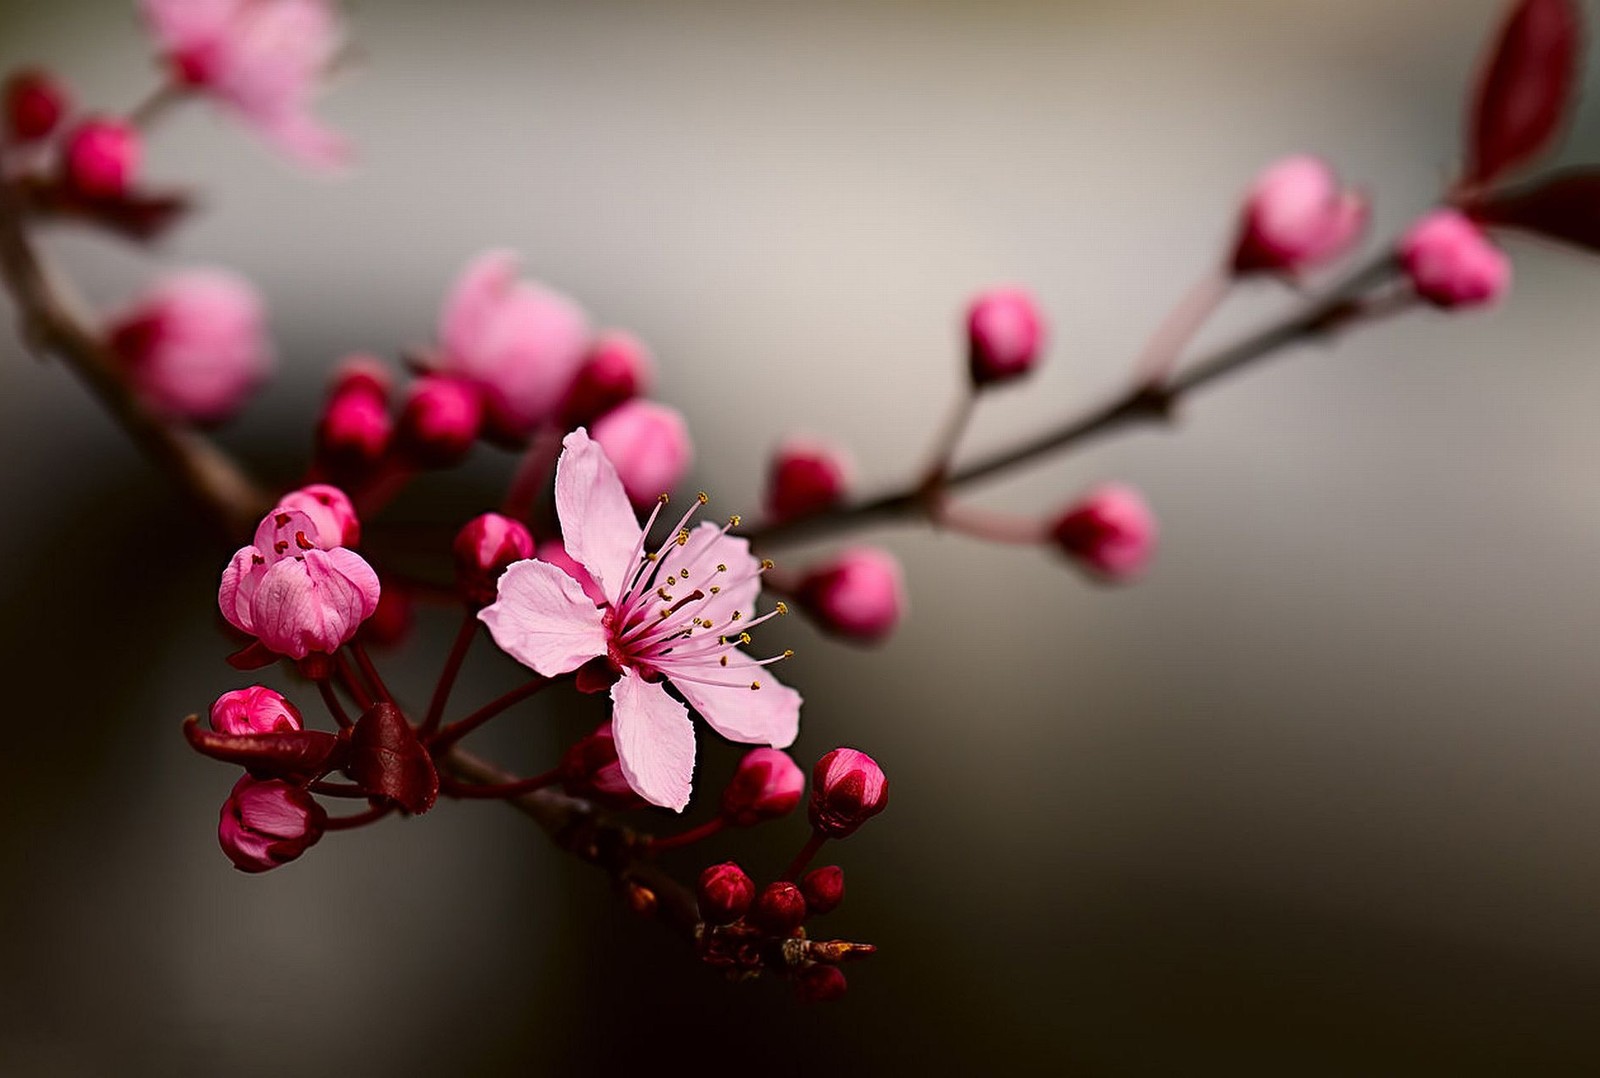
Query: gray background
<point x="1316" y="798"/>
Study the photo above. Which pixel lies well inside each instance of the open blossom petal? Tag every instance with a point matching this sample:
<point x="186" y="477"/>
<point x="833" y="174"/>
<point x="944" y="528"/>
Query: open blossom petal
<point x="543" y="619"/>
<point x="769" y="715"/>
<point x="655" y="741"/>
<point x="597" y="522"/>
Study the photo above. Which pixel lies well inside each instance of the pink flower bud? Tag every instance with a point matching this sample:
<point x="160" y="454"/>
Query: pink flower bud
<point x="859" y="594"/>
<point x="35" y="102"/>
<point x="102" y="157"/>
<point x="806" y="476"/>
<point x="1005" y="334"/>
<point x="555" y="552"/>
<point x="819" y="983"/>
<point x="268" y="823"/>
<point x="725" y="893"/>
<point x="1451" y="262"/>
<point x="194" y="344"/>
<point x="291" y="594"/>
<point x="648" y="444"/>
<point x="440" y="421"/>
<point x="766" y="785"/>
<point x="1296" y="216"/>
<point x="1110" y="531"/>
<point x="483" y="549"/>
<point x="354" y="431"/>
<point x="590" y="769"/>
<point x="256" y="710"/>
<point x="617" y="369"/>
<point x="847" y="788"/>
<point x="780" y="909"/>
<point x="360" y="371"/>
<point x="519" y="342"/>
<point x="823" y="888"/>
<point x="330" y="510"/>
<point x="261" y="60"/>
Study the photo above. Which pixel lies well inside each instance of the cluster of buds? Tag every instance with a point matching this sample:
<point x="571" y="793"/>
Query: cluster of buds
<point x="514" y="362"/>
<point x="746" y="929"/>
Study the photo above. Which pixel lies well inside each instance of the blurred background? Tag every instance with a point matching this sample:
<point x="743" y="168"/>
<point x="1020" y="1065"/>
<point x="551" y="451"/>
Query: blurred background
<point x="1316" y="798"/>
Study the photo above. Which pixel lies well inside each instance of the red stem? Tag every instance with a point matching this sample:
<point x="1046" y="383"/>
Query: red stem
<point x="364" y="661"/>
<point x="462" y="727"/>
<point x="352" y="682"/>
<point x="694" y="834"/>
<point x="803" y="858"/>
<point x="447" y="676"/>
<point x="331" y="698"/>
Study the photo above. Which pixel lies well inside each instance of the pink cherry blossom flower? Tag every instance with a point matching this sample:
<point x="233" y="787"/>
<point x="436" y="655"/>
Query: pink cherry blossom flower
<point x="262" y="60"/>
<point x="267" y="823"/>
<point x="293" y="593"/>
<point x="194" y="344"/>
<point x="1451" y="262"/>
<point x="674" y="615"/>
<point x="520" y="343"/>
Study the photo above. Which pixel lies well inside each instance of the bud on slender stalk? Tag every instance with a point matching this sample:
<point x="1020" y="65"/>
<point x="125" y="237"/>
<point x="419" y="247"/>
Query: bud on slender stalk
<point x="590" y="768"/>
<point x="1451" y="263"/>
<point x="268" y="823"/>
<point x="440" y="421"/>
<point x="35" y="103"/>
<point x="1005" y="335"/>
<point x="823" y="888"/>
<point x="847" y="788"/>
<point x="1296" y="217"/>
<point x="859" y="594"/>
<point x="780" y="909"/>
<point x="766" y="785"/>
<point x="806" y="476"/>
<point x="354" y="431"/>
<point x="256" y="710"/>
<point x="1110" y="531"/>
<point x="483" y="549"/>
<point x="616" y="369"/>
<point x="102" y="157"/>
<point x="725" y="893"/>
<point x="648" y="444"/>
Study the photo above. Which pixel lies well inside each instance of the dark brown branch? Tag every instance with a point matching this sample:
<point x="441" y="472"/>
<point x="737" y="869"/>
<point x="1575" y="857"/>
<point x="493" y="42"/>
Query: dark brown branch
<point x="1140" y="404"/>
<point x="51" y="325"/>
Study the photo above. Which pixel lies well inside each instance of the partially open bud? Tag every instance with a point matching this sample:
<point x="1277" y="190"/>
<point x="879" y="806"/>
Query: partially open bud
<point x="1296" y="217"/>
<point x="591" y="769"/>
<point x="1005" y="335"/>
<point x="806" y="476"/>
<point x="820" y="983"/>
<point x="648" y="444"/>
<point x="194" y="343"/>
<point x="780" y="909"/>
<point x="102" y="157"/>
<point x="440" y="421"/>
<point x="35" y="102"/>
<point x="823" y="888"/>
<point x="725" y="893"/>
<point x="766" y="785"/>
<point x="1110" y="531"/>
<point x="330" y="510"/>
<point x="483" y="549"/>
<point x="256" y="710"/>
<point x="860" y="594"/>
<point x="1451" y="262"/>
<point x="268" y="823"/>
<point x="847" y="789"/>
<point x="616" y="369"/>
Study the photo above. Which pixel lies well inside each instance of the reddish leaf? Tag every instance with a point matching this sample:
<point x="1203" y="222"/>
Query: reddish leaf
<point x="1565" y="207"/>
<point x="293" y="755"/>
<point x="387" y="760"/>
<point x="253" y="656"/>
<point x="1525" y="91"/>
<point x="137" y="215"/>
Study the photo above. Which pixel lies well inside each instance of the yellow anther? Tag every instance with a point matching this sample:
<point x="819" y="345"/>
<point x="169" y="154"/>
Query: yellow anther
<point x="737" y="615"/>
<point x="782" y="609"/>
<point x="744" y="638"/>
<point x="788" y="653"/>
<point x="652" y="556"/>
<point x="721" y="568"/>
<point x="733" y="521"/>
<point x="754" y="685"/>
<point x="684" y="573"/>
<point x="767" y="563"/>
<point x="715" y="590"/>
<point x="683" y="537"/>
<point x="663" y="498"/>
<point x="703" y="497"/>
